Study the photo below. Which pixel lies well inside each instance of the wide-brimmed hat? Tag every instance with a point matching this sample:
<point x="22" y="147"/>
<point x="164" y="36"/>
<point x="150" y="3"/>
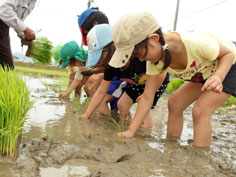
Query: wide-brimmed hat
<point x="98" y="37"/>
<point x="72" y="50"/>
<point x="129" y="30"/>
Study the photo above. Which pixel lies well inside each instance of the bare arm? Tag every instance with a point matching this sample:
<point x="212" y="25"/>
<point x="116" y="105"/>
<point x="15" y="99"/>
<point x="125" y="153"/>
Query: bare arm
<point x="214" y="83"/>
<point x="71" y="78"/>
<point x="96" y="99"/>
<point x="72" y="86"/>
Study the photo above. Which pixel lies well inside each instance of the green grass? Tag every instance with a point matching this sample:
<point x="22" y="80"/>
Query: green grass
<point x="174" y="85"/>
<point x="14" y="104"/>
<point x="41" y="72"/>
<point x="231" y="101"/>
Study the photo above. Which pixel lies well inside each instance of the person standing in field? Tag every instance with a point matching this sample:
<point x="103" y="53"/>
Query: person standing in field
<point x="12" y="14"/>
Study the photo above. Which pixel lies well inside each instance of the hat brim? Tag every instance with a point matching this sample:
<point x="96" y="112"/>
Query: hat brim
<point x="121" y="57"/>
<point x="79" y="58"/>
<point x="94" y="57"/>
<point x="64" y="64"/>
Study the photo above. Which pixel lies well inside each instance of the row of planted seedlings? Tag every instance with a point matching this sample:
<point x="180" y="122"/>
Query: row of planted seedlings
<point x="14" y="105"/>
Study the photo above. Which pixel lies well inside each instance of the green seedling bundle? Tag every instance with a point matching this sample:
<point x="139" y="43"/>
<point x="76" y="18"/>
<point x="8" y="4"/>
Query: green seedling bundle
<point x="14" y="104"/>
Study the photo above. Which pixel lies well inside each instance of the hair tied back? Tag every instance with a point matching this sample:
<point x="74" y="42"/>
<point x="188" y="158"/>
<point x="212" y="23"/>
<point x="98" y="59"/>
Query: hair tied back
<point x="165" y="47"/>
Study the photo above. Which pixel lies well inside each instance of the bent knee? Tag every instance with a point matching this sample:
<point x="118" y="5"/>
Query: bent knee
<point x="87" y="91"/>
<point x="174" y="105"/>
<point x="200" y="113"/>
<point x="120" y="106"/>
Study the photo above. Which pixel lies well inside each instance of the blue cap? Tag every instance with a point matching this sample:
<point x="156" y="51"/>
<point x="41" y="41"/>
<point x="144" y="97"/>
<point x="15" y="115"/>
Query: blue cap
<point x="85" y="15"/>
<point x="98" y="37"/>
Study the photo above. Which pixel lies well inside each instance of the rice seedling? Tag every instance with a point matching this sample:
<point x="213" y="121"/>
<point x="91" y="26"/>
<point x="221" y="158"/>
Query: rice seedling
<point x="80" y="106"/>
<point x="14" y="105"/>
<point x="118" y="122"/>
<point x="58" y="87"/>
<point x="77" y="104"/>
<point x="117" y="126"/>
<point x="87" y="101"/>
<point x="42" y="50"/>
<point x="45" y="84"/>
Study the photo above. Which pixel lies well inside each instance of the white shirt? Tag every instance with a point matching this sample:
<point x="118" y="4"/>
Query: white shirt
<point x="14" y="12"/>
<point x="77" y="69"/>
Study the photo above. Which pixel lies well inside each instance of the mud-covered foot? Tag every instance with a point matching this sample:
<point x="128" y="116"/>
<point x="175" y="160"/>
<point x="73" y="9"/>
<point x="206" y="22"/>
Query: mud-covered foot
<point x="126" y="134"/>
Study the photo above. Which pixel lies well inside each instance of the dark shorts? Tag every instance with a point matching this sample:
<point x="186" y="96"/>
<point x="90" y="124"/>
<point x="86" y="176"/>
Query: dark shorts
<point x="229" y="83"/>
<point x="5" y="46"/>
<point x="134" y="91"/>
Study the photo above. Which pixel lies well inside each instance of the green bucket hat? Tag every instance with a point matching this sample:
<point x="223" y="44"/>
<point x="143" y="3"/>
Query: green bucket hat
<point x="72" y="50"/>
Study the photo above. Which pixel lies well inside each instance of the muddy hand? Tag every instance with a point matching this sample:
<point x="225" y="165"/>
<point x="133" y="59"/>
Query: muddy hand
<point x="63" y="95"/>
<point x="29" y="34"/>
<point x="25" y="41"/>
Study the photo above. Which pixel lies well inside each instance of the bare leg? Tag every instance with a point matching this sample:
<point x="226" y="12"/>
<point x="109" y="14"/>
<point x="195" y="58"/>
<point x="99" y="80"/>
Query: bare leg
<point x="147" y="122"/>
<point x="205" y="106"/>
<point x="92" y="84"/>
<point x="78" y="88"/>
<point x="124" y="104"/>
<point x="103" y="108"/>
<point x="177" y="103"/>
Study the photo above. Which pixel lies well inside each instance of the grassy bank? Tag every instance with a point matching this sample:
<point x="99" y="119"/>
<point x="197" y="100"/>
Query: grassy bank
<point x="44" y="72"/>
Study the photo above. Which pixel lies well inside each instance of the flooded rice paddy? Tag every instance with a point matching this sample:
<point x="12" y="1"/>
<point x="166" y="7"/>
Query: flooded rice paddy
<point x="55" y="143"/>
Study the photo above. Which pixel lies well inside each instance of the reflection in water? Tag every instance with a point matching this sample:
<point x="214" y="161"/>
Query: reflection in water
<point x="47" y="108"/>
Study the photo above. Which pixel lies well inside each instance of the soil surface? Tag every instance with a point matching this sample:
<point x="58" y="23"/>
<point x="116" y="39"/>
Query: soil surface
<point x="55" y="143"/>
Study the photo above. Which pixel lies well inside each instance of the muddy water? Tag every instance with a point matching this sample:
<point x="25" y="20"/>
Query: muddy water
<point x="55" y="143"/>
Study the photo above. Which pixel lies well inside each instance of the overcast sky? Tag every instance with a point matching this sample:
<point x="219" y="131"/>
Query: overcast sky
<point x="58" y="18"/>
